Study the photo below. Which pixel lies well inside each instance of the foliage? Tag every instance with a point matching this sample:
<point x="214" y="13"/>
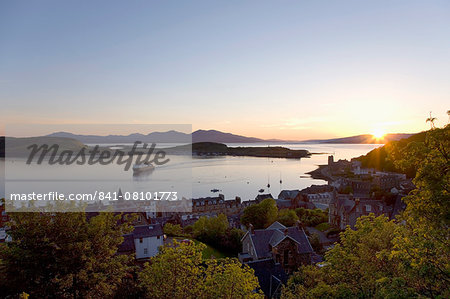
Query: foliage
<point x="180" y="272"/>
<point x="260" y="215"/>
<point x="173" y="230"/>
<point x="323" y="226"/>
<point x="354" y="266"/>
<point x="65" y="255"/>
<point x="287" y="217"/>
<point x="310" y="217"/>
<point x="422" y="243"/>
<point x="216" y="232"/>
<point x="387" y="259"/>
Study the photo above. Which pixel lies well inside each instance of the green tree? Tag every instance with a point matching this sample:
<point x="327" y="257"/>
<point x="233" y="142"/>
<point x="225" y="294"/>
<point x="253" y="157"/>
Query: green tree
<point x="310" y="217"/>
<point x="260" y="215"/>
<point x="287" y="217"/>
<point x="173" y="230"/>
<point x="61" y="255"/>
<point x="353" y="267"/>
<point x="180" y="272"/>
<point x="215" y="231"/>
<point x="207" y="229"/>
<point x="387" y="259"/>
<point x="422" y="242"/>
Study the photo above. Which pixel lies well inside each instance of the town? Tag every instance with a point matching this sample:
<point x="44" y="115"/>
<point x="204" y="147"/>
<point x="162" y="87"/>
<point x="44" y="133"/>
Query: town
<point x="306" y="224"/>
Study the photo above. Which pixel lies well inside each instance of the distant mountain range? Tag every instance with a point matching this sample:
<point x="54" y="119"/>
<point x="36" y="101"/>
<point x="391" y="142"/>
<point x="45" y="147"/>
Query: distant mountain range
<point x="215" y="136"/>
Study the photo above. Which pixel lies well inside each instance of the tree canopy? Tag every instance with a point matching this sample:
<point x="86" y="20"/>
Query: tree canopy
<point x="260" y="215"/>
<point x="404" y="258"/>
<point x="180" y="272"/>
<point x="60" y="255"/>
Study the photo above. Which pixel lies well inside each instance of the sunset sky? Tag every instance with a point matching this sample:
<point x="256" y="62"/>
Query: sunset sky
<point x="268" y="69"/>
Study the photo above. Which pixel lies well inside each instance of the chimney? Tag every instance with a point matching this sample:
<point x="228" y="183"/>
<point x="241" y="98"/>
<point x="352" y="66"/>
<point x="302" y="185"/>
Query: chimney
<point x="285" y="231"/>
<point x="299" y="225"/>
<point x="251" y="229"/>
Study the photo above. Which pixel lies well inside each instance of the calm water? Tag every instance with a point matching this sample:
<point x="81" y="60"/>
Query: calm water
<point x="190" y="176"/>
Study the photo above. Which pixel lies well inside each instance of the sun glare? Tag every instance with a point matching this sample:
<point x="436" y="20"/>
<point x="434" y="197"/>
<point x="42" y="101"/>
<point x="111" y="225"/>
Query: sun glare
<point x="378" y="134"/>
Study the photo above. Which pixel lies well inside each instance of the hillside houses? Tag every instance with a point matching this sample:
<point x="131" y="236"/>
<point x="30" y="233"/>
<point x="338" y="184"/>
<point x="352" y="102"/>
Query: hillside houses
<point x="345" y="209"/>
<point x="287" y="246"/>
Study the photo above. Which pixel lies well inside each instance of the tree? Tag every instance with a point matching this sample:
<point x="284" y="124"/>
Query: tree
<point x="287" y="217"/>
<point x="180" y="272"/>
<point x="422" y="243"/>
<point x="310" y="217"/>
<point x="260" y="215"/>
<point x="208" y="229"/>
<point x="431" y="120"/>
<point x="386" y="259"/>
<point x="64" y="255"/>
<point x="173" y="230"/>
<point x="215" y="231"/>
<point x="353" y="267"/>
<point x="228" y="278"/>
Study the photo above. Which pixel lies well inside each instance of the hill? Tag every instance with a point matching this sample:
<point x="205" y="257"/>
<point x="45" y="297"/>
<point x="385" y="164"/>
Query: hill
<point x="17" y="147"/>
<point x="364" y="139"/>
<point x="379" y="159"/>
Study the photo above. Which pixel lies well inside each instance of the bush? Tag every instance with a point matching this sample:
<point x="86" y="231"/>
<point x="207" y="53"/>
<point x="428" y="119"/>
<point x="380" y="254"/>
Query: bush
<point x="287" y="217"/>
<point x="173" y="230"/>
<point x="311" y="217"/>
<point x="323" y="226"/>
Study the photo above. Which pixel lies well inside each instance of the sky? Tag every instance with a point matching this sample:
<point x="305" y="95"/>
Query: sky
<point x="270" y="69"/>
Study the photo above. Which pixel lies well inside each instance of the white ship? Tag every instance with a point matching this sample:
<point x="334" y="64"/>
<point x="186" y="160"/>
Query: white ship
<point x="142" y="167"/>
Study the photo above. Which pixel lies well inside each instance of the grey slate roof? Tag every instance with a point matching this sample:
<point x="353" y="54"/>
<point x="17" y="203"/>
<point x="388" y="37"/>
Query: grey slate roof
<point x="276" y="225"/>
<point x="288" y="194"/>
<point x="146" y="231"/>
<point x="127" y="245"/>
<point x="261" y="197"/>
<point x="272" y="236"/>
<point x="283" y="203"/>
<point x="270" y="276"/>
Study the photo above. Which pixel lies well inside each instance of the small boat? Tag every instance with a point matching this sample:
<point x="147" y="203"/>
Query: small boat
<point x="142" y="167"/>
<point x="261" y="190"/>
<point x="215" y="190"/>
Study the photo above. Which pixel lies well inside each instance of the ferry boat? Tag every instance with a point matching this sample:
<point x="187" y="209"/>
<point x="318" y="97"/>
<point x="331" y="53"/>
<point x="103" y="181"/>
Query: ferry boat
<point x="142" y="167"/>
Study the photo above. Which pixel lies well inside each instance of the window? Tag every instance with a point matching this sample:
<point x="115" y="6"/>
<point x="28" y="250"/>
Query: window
<point x="145" y="250"/>
<point x="141" y="240"/>
<point x="158" y="237"/>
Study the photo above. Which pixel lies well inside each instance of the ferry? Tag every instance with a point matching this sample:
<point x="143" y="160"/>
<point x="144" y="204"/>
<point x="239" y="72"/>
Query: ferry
<point x="142" y="167"/>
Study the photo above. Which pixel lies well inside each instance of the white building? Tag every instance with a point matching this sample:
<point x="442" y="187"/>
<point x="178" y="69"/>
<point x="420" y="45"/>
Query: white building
<point x="144" y="241"/>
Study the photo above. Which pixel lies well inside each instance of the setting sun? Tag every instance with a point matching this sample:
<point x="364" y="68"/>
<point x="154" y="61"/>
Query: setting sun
<point x="378" y="134"/>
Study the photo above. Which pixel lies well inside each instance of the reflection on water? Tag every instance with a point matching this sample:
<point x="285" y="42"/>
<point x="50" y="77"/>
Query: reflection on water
<point x="194" y="176"/>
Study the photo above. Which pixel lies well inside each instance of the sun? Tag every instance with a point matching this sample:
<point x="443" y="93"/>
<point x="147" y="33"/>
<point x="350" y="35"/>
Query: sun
<point x="378" y="133"/>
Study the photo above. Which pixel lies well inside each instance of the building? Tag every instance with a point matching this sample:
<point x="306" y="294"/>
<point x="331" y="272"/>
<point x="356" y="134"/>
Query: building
<point x="319" y="195"/>
<point x="144" y="241"/>
<point x="287" y="246"/>
<point x="344" y="210"/>
<point x="216" y="205"/>
<point x="271" y="276"/>
<point x="387" y="181"/>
